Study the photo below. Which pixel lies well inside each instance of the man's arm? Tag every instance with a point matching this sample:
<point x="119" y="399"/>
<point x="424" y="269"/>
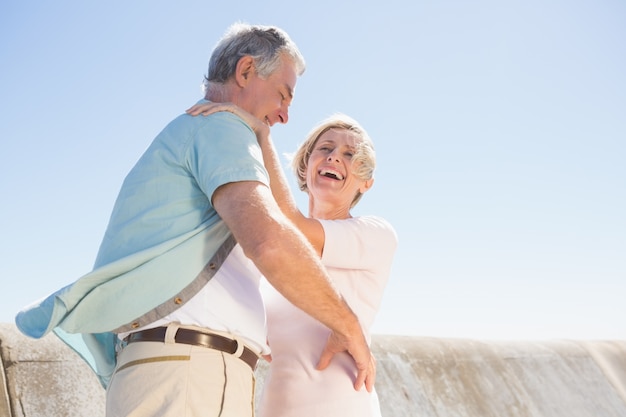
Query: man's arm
<point x="290" y="264"/>
<point x="311" y="228"/>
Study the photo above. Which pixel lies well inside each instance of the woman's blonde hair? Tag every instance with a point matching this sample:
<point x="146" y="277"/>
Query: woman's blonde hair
<point x="363" y="161"/>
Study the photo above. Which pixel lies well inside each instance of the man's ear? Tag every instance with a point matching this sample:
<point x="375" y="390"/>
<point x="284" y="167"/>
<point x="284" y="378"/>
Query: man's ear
<point x="244" y="70"/>
<point x="366" y="185"/>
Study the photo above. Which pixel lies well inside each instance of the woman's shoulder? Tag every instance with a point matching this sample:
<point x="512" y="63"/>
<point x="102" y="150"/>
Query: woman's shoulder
<point x="374" y="222"/>
<point x="366" y="226"/>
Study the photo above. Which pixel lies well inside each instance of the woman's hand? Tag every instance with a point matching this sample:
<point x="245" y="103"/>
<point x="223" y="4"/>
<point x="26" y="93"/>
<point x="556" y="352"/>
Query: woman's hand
<point x="260" y="128"/>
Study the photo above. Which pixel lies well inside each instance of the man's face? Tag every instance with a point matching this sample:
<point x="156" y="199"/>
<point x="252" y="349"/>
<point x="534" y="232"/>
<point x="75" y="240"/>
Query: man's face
<point x="269" y="99"/>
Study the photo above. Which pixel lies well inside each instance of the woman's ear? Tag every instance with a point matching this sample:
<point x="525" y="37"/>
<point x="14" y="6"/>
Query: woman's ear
<point x="366" y="185"/>
<point x="244" y="70"/>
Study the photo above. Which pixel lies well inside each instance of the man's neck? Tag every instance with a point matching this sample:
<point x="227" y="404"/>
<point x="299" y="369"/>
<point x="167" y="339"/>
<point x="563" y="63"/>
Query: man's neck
<point x="219" y="93"/>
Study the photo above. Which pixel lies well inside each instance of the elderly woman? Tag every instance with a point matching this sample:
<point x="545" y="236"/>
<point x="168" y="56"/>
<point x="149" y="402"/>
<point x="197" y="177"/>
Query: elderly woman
<point x="335" y="167"/>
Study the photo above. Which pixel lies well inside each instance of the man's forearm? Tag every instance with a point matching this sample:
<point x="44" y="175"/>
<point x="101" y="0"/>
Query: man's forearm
<point x="282" y="253"/>
<point x="291" y="265"/>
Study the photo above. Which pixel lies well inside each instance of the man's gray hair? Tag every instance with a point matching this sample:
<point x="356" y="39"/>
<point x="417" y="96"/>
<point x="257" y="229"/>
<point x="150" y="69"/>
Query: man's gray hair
<point x="265" y="44"/>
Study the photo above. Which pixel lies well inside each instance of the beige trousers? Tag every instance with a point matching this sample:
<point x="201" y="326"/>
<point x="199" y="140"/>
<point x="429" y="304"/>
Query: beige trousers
<point x="177" y="380"/>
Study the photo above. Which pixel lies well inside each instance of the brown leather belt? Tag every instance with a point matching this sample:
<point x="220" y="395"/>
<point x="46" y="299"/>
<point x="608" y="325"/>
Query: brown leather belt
<point x="193" y="337"/>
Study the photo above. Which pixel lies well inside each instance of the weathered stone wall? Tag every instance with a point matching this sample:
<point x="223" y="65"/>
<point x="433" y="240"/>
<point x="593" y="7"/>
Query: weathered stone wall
<point x="425" y="377"/>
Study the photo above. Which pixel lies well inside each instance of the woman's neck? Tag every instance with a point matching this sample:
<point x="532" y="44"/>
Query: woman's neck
<point x="328" y="211"/>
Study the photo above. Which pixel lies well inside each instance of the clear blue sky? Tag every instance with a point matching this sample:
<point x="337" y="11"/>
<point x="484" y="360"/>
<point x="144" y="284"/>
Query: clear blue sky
<point x="500" y="128"/>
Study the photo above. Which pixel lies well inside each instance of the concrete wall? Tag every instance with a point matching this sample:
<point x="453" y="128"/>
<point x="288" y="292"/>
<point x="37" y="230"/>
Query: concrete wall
<point x="415" y="377"/>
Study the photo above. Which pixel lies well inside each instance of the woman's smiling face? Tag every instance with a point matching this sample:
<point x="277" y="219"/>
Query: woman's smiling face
<point x="330" y="178"/>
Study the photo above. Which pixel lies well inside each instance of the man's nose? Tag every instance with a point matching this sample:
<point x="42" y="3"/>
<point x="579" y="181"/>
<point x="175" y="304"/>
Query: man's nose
<point x="283" y="116"/>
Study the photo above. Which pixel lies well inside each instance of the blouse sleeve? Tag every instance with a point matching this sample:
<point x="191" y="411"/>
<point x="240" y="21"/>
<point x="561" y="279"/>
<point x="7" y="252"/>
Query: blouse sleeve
<point x="358" y="243"/>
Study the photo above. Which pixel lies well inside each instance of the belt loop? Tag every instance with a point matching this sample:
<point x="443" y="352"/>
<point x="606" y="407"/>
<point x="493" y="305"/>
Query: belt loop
<point x="240" y="347"/>
<point x="170" y="333"/>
